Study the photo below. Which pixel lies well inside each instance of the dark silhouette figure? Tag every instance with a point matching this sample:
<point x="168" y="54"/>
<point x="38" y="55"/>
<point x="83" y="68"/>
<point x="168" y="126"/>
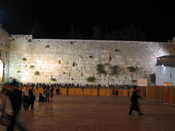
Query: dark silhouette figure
<point x="58" y="91"/>
<point x="31" y="99"/>
<point x="41" y="98"/>
<point x="15" y="97"/>
<point x="47" y="92"/>
<point x="51" y="94"/>
<point x="134" y="106"/>
<point x="25" y="100"/>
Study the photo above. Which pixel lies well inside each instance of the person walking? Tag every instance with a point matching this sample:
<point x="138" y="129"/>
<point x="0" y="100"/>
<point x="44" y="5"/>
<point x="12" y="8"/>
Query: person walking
<point x="135" y="106"/>
<point x="31" y="99"/>
<point x="25" y="98"/>
<point x="14" y="95"/>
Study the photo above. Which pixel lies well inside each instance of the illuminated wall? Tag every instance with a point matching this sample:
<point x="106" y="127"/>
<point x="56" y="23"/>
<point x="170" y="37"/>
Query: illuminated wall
<point x="1" y="71"/>
<point x="4" y="55"/>
<point x="73" y="61"/>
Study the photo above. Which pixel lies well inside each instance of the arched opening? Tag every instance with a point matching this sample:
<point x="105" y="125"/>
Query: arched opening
<point x="1" y="70"/>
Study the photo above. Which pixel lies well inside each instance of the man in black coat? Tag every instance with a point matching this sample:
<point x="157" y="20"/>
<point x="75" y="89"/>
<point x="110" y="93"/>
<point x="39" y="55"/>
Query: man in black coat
<point x="134" y="106"/>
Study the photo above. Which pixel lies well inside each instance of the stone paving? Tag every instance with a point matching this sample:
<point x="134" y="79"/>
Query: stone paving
<point x="90" y="113"/>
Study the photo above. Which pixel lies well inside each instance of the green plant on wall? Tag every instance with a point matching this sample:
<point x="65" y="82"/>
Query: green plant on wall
<point x="101" y="69"/>
<point x="91" y="79"/>
<point x="117" y="50"/>
<point x="91" y="56"/>
<point x="18" y="71"/>
<point x="132" y="69"/>
<point x="153" y="78"/>
<point x="47" y="46"/>
<point x="37" y="73"/>
<point x="29" y="40"/>
<point x="24" y="59"/>
<point x="115" y="70"/>
<point x="32" y="66"/>
<point x="53" y="79"/>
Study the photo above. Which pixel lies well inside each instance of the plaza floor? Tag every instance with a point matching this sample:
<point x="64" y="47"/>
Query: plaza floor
<point x="88" y="113"/>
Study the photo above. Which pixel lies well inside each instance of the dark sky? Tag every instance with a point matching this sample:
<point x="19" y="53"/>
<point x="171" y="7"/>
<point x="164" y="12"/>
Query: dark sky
<point x="59" y="20"/>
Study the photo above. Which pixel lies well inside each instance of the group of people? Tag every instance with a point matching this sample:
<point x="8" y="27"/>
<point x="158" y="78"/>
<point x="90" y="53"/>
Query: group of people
<point x="25" y="95"/>
<point x="74" y="85"/>
<point x="41" y="92"/>
<point x="14" y="96"/>
<point x="11" y="103"/>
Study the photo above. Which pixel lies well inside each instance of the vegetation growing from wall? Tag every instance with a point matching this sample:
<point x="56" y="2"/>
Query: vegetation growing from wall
<point x="32" y="66"/>
<point x="91" y="57"/>
<point x="132" y="69"/>
<point x="71" y="42"/>
<point x="47" y="46"/>
<point x="37" y="73"/>
<point x="29" y="40"/>
<point x="91" y="79"/>
<point x="101" y="69"/>
<point x="18" y="71"/>
<point x="115" y="70"/>
<point x="53" y="79"/>
<point x="24" y="59"/>
<point x="117" y="50"/>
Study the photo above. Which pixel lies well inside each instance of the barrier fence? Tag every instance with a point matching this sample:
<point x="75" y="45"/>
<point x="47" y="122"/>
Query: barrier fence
<point x="160" y="93"/>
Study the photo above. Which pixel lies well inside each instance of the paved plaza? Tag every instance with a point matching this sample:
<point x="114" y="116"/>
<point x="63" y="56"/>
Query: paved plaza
<point x="88" y="113"/>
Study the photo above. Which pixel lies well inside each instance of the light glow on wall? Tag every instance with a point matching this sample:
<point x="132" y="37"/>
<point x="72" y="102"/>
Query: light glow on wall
<point x="1" y="70"/>
<point x="48" y="64"/>
<point x="163" y="68"/>
<point x="162" y="52"/>
<point x="25" y="76"/>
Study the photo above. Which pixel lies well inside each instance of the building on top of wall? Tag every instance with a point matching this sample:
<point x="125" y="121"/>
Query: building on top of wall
<point x="166" y="70"/>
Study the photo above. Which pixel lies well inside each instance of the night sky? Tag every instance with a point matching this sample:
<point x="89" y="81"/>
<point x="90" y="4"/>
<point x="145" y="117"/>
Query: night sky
<point x="123" y="20"/>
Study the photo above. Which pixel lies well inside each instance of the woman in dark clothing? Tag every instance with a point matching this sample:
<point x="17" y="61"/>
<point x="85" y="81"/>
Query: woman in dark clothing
<point x="51" y="94"/>
<point x="31" y="99"/>
<point x="135" y="102"/>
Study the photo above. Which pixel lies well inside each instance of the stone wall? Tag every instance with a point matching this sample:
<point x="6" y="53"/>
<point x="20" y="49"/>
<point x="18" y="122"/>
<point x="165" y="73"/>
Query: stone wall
<point x="74" y="61"/>
<point x="4" y="54"/>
